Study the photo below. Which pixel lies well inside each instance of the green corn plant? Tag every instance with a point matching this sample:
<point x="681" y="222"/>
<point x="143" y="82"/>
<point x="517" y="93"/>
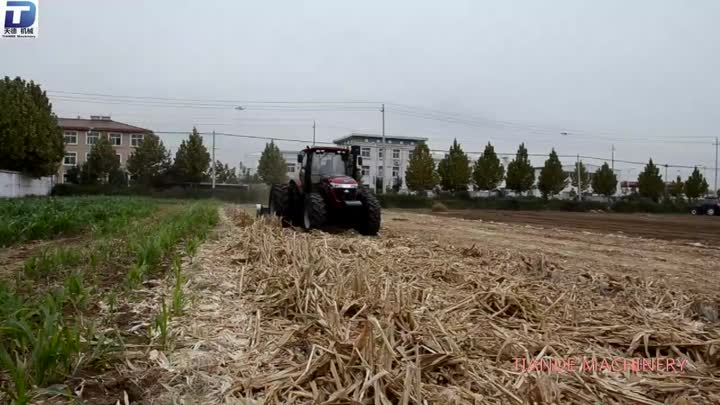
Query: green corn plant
<point x="17" y="369"/>
<point x="136" y="274"/>
<point x="161" y="324"/>
<point x="191" y="247"/>
<point x="77" y="293"/>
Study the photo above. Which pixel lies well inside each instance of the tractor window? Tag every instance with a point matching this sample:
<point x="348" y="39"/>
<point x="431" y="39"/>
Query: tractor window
<point x="327" y="164"/>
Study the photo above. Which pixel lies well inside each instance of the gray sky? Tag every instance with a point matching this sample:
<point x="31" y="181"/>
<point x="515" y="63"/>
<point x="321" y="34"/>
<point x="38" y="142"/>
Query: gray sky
<point x="642" y="75"/>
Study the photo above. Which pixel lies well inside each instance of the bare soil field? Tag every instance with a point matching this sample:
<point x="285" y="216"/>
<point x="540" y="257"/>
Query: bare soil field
<point x="657" y="226"/>
<point x="436" y="310"/>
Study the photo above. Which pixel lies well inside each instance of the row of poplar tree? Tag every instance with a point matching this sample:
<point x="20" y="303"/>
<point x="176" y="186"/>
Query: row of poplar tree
<point x="455" y="173"/>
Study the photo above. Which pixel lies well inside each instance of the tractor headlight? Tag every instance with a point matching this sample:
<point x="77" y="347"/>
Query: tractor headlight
<point x="343" y="185"/>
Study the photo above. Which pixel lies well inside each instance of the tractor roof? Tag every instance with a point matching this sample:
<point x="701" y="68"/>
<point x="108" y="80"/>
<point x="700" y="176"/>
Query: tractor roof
<point x="325" y="148"/>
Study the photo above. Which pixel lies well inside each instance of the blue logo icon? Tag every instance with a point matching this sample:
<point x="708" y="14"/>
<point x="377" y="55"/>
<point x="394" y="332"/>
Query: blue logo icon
<point x="20" y="14"/>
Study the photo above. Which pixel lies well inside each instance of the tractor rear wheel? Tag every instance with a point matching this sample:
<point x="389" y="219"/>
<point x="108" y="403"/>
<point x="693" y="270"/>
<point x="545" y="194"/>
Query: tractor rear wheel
<point x="314" y="211"/>
<point x="278" y="204"/>
<point x="369" y="221"/>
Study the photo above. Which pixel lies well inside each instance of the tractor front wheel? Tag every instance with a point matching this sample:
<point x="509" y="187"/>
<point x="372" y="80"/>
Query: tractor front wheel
<point x="314" y="211"/>
<point x="369" y="221"/>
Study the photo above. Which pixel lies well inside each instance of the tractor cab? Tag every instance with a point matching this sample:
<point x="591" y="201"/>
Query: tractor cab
<point x="331" y="167"/>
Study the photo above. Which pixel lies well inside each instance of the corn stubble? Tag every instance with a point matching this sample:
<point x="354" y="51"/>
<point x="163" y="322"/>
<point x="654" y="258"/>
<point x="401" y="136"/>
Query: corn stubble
<point x="322" y="318"/>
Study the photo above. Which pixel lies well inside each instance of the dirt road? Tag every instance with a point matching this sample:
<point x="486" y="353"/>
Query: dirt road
<point x="692" y="266"/>
<point x="657" y="226"/>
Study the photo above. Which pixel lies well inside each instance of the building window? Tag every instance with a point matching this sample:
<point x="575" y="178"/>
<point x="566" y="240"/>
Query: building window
<point x="70" y="138"/>
<point x="115" y="139"/>
<point x="366" y="170"/>
<point x="119" y="156"/>
<point x="410" y="154"/>
<point x="70" y="159"/>
<point x="380" y="171"/>
<point x="291" y="167"/>
<point x="396" y="171"/>
<point x="92" y="138"/>
<point x="365" y="152"/>
<point x="136" y="139"/>
<point x="396" y="153"/>
<point x="380" y="153"/>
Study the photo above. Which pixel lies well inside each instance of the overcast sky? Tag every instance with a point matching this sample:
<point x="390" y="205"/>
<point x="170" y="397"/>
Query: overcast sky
<point x="643" y="75"/>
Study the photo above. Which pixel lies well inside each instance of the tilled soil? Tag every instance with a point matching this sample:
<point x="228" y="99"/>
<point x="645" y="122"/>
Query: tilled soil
<point x="702" y="228"/>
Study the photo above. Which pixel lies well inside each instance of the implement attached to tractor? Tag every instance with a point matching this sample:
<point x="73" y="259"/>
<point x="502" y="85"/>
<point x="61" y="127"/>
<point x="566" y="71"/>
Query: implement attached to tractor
<point x="325" y="192"/>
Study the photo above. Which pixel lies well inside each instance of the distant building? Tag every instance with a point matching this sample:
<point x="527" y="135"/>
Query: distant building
<point x="399" y="150"/>
<point x="81" y="134"/>
<point x="291" y="161"/>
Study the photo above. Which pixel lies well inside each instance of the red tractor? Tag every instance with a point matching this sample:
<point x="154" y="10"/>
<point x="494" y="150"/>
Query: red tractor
<point x="324" y="192"/>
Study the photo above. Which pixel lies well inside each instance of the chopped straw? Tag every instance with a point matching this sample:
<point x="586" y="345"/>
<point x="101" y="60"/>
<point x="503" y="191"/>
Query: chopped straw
<point x="282" y="316"/>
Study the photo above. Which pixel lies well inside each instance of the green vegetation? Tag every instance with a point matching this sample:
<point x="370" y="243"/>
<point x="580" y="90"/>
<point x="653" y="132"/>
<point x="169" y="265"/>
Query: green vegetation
<point x="584" y="177"/>
<point x="48" y="331"/>
<point x="103" y="165"/>
<point x="34" y="218"/>
<point x="31" y="141"/>
<point x="520" y="173"/>
<point x="150" y="161"/>
<point x="272" y="167"/>
<point x="650" y="182"/>
<point x="454" y="169"/>
<point x="420" y="174"/>
<point x="488" y="172"/>
<point x="191" y="160"/>
<point x="604" y="182"/>
<point x="696" y="185"/>
<point x="552" y="177"/>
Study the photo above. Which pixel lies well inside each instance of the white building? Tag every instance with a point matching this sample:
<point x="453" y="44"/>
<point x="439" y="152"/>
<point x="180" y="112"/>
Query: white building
<point x="291" y="160"/>
<point x="399" y="150"/>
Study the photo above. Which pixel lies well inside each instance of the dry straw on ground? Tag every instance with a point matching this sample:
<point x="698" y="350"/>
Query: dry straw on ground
<point x="281" y="316"/>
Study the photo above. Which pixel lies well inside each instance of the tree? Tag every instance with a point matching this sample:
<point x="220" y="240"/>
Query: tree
<point x="73" y="175"/>
<point x="520" y="173"/>
<point x="604" y="181"/>
<point x="584" y="177"/>
<point x="101" y="162"/>
<point x="191" y="160"/>
<point x="650" y="182"/>
<point x="150" y="161"/>
<point x="552" y="177"/>
<point x="677" y="187"/>
<point x="488" y="172"/>
<point x="272" y="167"/>
<point x="454" y="169"/>
<point x="420" y="174"/>
<point x="31" y="140"/>
<point x="248" y="178"/>
<point x="223" y="173"/>
<point x="696" y="185"/>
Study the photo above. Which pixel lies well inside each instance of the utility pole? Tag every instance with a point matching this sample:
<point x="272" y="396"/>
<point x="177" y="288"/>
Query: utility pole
<point x="384" y="149"/>
<point x="612" y="158"/>
<point x="716" y="166"/>
<point x="213" y="161"/>
<point x="579" y="180"/>
<point x="666" y="166"/>
<point x="313" y="132"/>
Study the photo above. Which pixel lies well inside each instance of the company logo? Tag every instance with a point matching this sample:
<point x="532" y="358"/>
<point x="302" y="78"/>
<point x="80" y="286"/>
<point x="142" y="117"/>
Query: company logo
<point x="20" y="18"/>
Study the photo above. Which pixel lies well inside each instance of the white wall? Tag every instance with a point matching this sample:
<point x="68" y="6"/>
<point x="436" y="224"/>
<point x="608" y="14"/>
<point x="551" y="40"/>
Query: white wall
<point x="14" y="184"/>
